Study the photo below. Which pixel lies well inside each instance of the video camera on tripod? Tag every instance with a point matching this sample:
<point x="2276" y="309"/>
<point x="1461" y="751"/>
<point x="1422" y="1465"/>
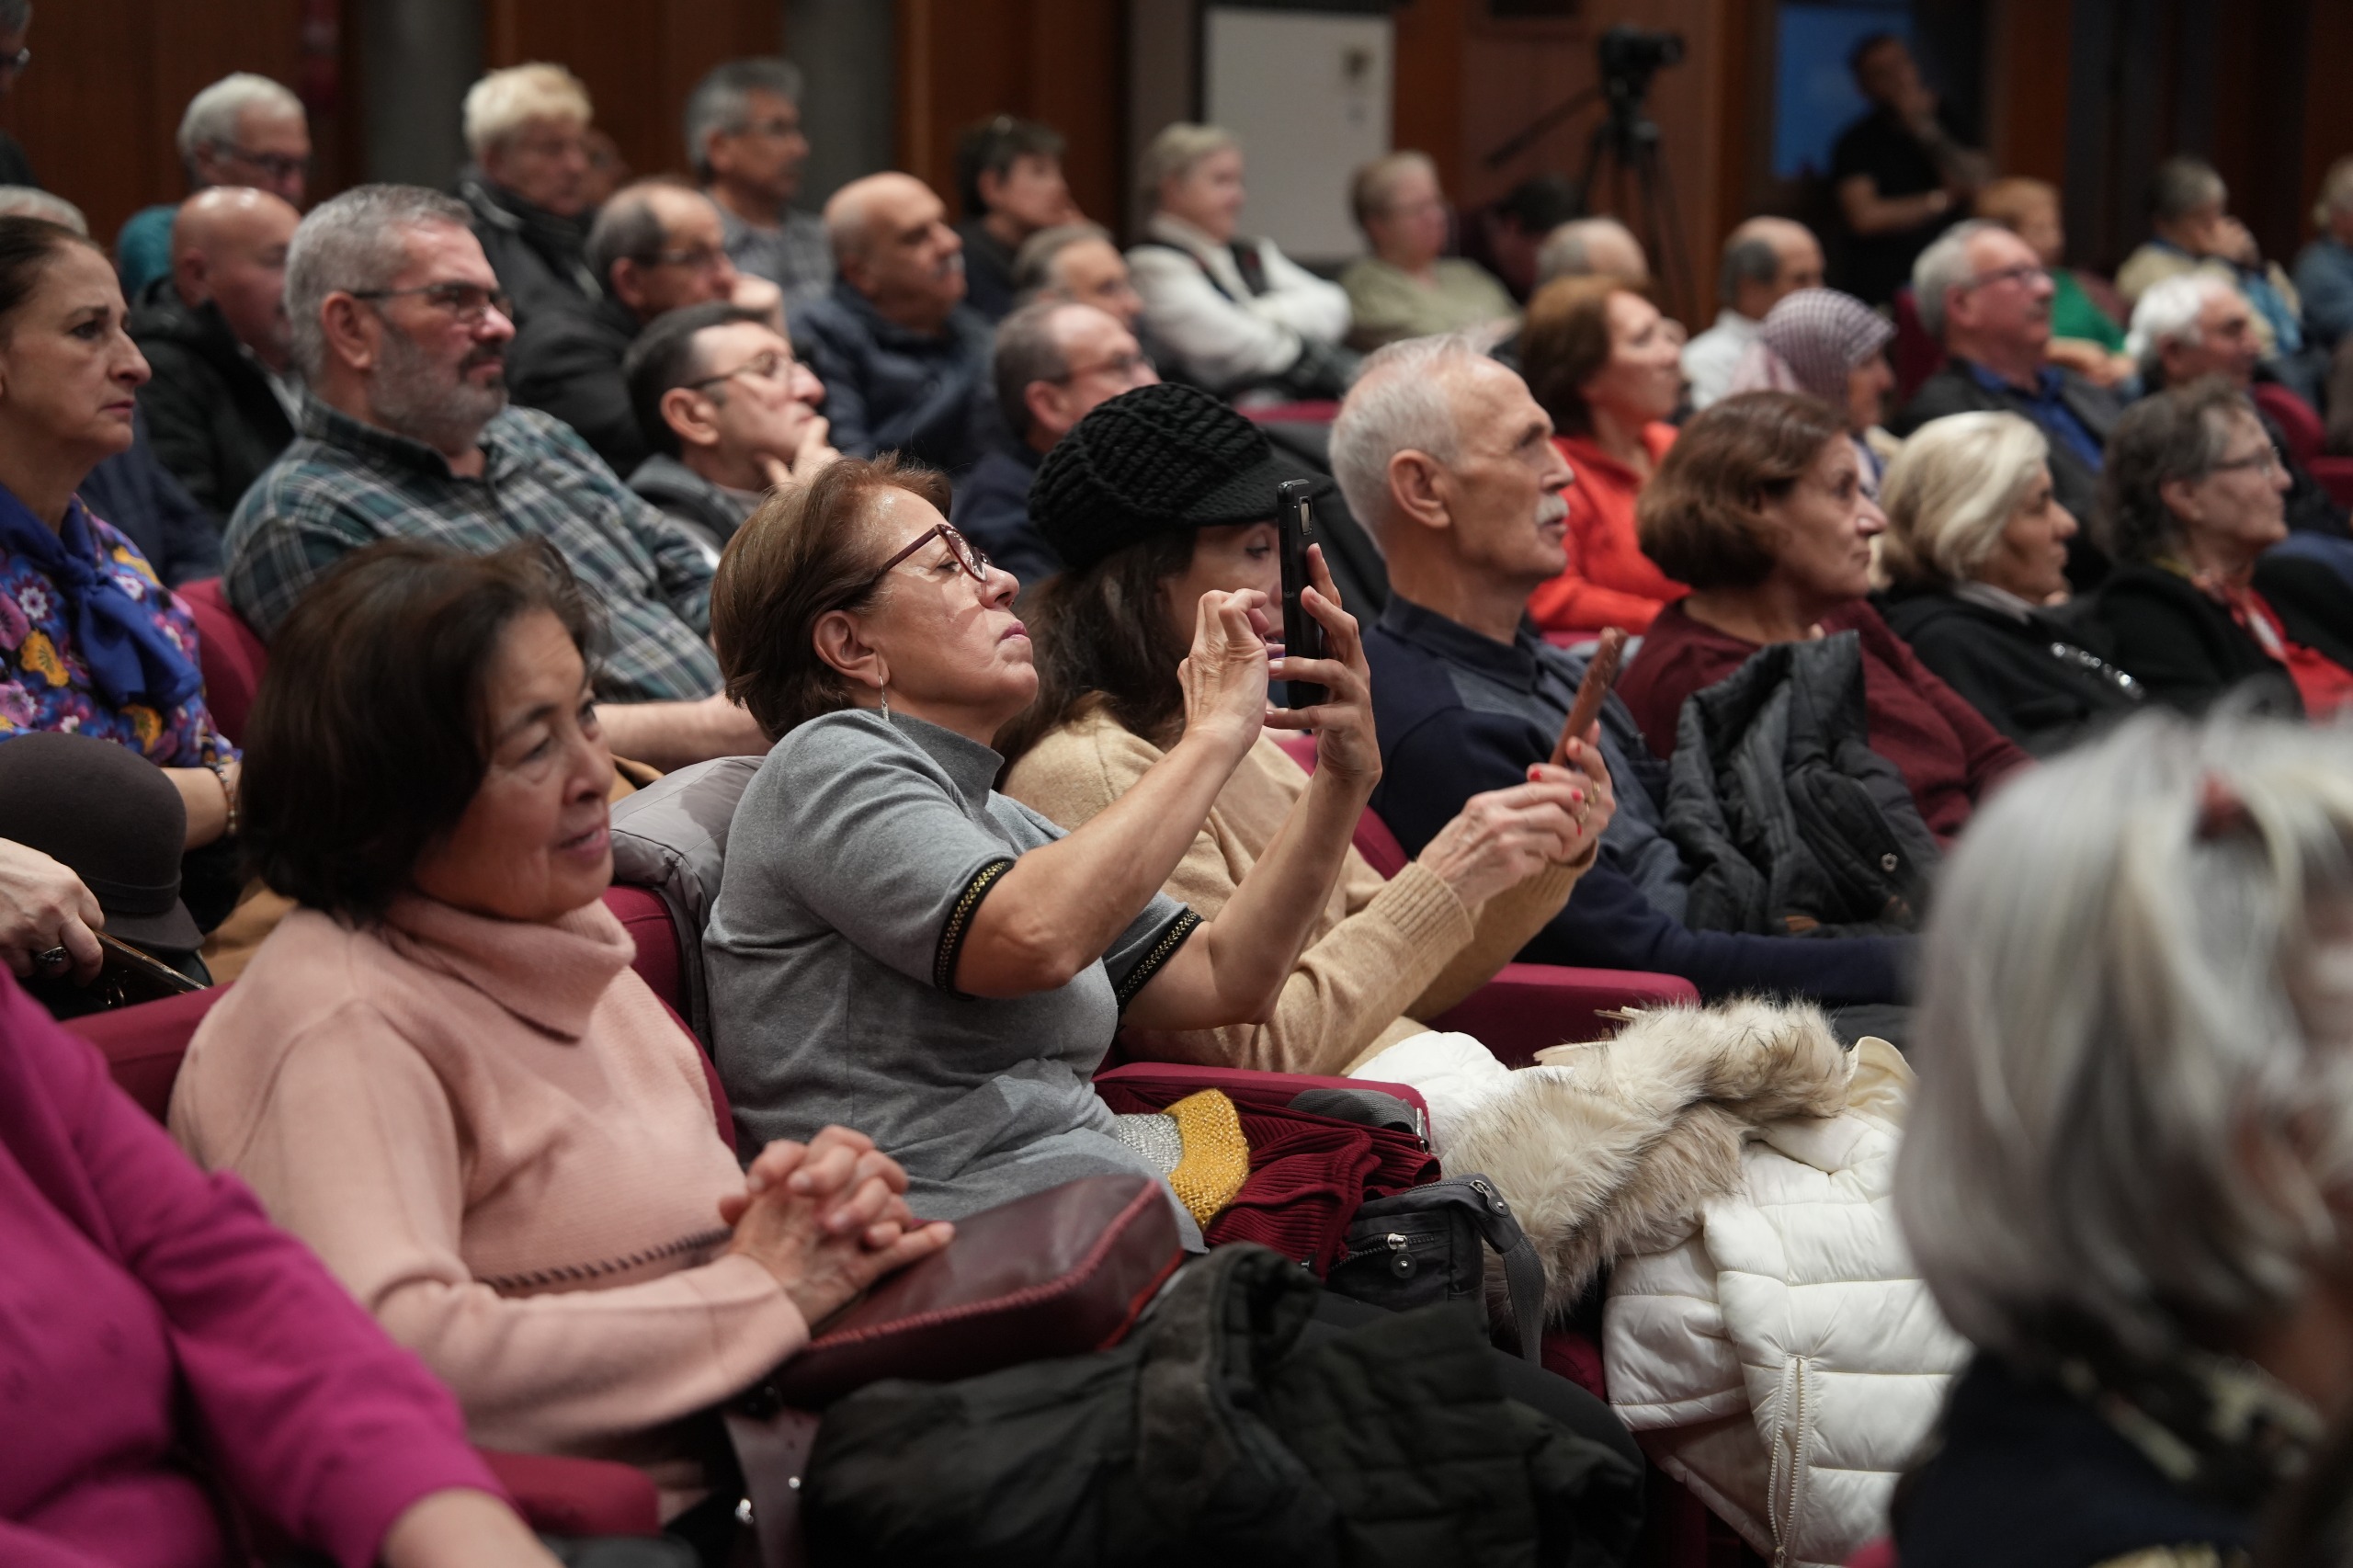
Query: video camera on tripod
<point x="1629" y="57"/>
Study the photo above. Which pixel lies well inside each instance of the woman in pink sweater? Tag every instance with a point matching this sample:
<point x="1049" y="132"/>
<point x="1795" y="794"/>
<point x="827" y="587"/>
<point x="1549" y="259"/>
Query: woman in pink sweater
<point x="441" y="1072"/>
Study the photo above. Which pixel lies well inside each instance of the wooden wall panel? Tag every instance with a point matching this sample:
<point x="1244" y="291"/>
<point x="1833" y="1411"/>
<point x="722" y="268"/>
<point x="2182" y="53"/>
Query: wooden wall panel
<point x="1061" y="62"/>
<point x="2027" y="64"/>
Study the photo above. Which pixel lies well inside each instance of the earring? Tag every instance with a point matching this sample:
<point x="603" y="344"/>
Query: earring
<point x="882" y="690"/>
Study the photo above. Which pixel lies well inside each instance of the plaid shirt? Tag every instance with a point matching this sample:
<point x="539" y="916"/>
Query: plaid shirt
<point x="343" y="485"/>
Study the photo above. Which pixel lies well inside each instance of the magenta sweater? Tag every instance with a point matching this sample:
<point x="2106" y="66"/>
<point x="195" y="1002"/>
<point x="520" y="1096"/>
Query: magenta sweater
<point x="146" y="1309"/>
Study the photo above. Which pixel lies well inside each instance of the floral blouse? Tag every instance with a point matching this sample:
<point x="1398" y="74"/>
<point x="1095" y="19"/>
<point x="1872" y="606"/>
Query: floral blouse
<point x="44" y="685"/>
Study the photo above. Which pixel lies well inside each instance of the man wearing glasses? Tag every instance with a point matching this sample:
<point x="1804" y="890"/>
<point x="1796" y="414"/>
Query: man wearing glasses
<point x="729" y="412"/>
<point x="656" y="246"/>
<point x="242" y="131"/>
<point x="745" y="144"/>
<point x="401" y="330"/>
<point x="1985" y="294"/>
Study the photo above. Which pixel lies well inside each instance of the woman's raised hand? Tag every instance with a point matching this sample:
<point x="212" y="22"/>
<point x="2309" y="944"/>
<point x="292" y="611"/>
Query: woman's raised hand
<point x="1225" y="676"/>
<point x="1345" y="741"/>
<point x="827" y="1218"/>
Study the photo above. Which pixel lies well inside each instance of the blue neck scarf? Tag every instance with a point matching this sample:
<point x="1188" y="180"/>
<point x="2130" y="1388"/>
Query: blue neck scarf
<point x="128" y="657"/>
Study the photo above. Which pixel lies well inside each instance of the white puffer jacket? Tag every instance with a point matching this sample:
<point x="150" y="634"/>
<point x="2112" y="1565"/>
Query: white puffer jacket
<point x="1783" y="1359"/>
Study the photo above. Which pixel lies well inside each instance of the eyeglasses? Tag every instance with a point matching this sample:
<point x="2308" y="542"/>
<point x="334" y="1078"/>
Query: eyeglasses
<point x="974" y="562"/>
<point x="701" y="258"/>
<point x="2267" y="460"/>
<point x="1126" y="367"/>
<point x="276" y="166"/>
<point x="775" y="365"/>
<point x="2026" y="272"/>
<point x="470" y="302"/>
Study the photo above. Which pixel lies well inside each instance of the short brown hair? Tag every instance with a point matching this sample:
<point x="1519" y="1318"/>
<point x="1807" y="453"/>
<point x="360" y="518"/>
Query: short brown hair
<point x="803" y="554"/>
<point x="1701" y="517"/>
<point x="1566" y="342"/>
<point x="2009" y="201"/>
<point x="371" y="734"/>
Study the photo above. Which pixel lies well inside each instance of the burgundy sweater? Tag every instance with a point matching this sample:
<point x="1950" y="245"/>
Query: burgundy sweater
<point x="148" y="1311"/>
<point x="1945" y="749"/>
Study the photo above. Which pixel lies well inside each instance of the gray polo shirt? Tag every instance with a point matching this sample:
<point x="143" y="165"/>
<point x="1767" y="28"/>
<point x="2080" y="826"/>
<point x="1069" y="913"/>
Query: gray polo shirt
<point x="858" y="854"/>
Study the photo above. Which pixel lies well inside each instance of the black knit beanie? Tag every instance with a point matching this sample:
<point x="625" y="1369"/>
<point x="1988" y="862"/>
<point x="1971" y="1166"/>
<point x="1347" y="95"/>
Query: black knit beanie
<point x="1161" y="459"/>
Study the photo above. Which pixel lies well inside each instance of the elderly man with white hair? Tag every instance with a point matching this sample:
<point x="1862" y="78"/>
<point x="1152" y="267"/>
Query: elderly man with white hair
<point x="2124" y="1177"/>
<point x="1234" y="314"/>
<point x="904" y="360"/>
<point x="242" y="130"/>
<point x="1443" y="454"/>
<point x="401" y="332"/>
<point x="1986" y="294"/>
<point x="526" y="130"/>
<point x="1766" y="260"/>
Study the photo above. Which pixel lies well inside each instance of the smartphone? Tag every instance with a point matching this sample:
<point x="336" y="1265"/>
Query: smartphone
<point x="1302" y="633"/>
<point x="1599" y="676"/>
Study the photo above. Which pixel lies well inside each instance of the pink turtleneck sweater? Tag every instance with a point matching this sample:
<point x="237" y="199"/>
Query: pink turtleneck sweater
<point x="503" y="1146"/>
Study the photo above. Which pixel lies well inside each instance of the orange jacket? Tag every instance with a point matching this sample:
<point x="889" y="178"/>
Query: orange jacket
<point x="1610" y="581"/>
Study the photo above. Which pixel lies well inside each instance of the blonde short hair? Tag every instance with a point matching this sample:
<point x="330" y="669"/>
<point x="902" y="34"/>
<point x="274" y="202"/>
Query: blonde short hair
<point x="1951" y="491"/>
<point x="1172" y="152"/>
<point x="505" y="101"/>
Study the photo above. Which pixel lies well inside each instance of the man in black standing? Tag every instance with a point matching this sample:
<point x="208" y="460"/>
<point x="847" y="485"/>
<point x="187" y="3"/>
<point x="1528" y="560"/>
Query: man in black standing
<point x="1904" y="172"/>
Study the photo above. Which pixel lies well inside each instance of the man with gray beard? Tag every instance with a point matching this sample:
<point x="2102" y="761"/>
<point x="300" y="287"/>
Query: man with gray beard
<point x="401" y="333"/>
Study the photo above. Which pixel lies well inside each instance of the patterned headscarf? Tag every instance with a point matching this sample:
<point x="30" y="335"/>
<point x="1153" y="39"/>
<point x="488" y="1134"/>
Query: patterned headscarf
<point x="1821" y="334"/>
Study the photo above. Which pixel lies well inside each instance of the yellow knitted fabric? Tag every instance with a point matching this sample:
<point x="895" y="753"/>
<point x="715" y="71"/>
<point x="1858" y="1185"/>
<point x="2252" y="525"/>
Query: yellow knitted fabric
<point x="1217" y="1157"/>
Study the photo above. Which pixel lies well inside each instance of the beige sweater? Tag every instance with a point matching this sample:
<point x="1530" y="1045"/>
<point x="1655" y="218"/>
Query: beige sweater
<point x="503" y="1146"/>
<point x="1384" y="954"/>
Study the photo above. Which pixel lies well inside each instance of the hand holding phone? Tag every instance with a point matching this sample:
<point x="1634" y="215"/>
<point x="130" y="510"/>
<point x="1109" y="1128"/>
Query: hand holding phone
<point x="1599" y="676"/>
<point x="1302" y="633"/>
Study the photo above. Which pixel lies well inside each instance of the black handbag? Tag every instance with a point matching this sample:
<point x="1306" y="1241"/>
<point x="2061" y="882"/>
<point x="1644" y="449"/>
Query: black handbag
<point x="1430" y="1244"/>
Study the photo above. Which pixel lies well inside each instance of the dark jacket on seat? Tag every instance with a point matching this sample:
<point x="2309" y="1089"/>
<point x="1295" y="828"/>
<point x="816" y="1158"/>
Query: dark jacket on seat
<point x="712" y="511"/>
<point x="137" y="493"/>
<point x="2031" y="674"/>
<point x="888" y="389"/>
<point x="1791" y="823"/>
<point x="1953" y="390"/>
<point x="566" y="360"/>
<point x="214" y="420"/>
<point x="540" y="259"/>
<point x="2185" y="649"/>
<point x="992" y="509"/>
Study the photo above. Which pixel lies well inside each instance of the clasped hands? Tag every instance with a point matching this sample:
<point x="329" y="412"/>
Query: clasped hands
<point x="828" y="1218"/>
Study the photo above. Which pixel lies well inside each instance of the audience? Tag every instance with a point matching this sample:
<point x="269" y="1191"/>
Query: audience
<point x="1009" y="176"/>
<point x="2191" y="230"/>
<point x="2196" y="325"/>
<point x="1761" y="507"/>
<point x="1982" y="292"/>
<point x="1054" y="362"/>
<point x="2122" y="1176"/>
<point x="225" y="393"/>
<point x="850" y="935"/>
<point x="1766" y="260"/>
<point x="1079" y="262"/>
<point x="401" y="335"/>
<point x="1233" y="313"/>
<point x="1902" y="172"/>
<point x="2084" y="337"/>
<point x="1407" y="287"/>
<point x="746" y="147"/>
<point x="155" y="1315"/>
<point x="903" y="360"/>
<point x="1591" y="248"/>
<point x="242" y="130"/>
<point x="1449" y="461"/>
<point x="1830" y="347"/>
<point x="657" y="245"/>
<point x="1165" y="495"/>
<point x="527" y="128"/>
<point x="1504" y="235"/>
<point x="441" y="1070"/>
<point x="1976" y="547"/>
<point x="2325" y="268"/>
<point x="1599" y="361"/>
<point x="2190" y="503"/>
<point x="728" y="412"/>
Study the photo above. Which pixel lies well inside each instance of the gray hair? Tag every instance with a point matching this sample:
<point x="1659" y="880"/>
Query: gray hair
<point x="1952" y="490"/>
<point x="31" y="201"/>
<point x="2175" y="435"/>
<point x="1033" y="264"/>
<point x="626" y="227"/>
<point x="350" y="243"/>
<point x="1401" y="401"/>
<point x="1944" y="267"/>
<point x="1752" y="260"/>
<point x="1567" y="250"/>
<point x="1028" y="350"/>
<point x="1374" y="184"/>
<point x="2125" y="987"/>
<point x="2168" y="312"/>
<point x="2335" y="192"/>
<point x="210" y="120"/>
<point x="1172" y="152"/>
<point x="721" y="103"/>
<point x="2182" y="186"/>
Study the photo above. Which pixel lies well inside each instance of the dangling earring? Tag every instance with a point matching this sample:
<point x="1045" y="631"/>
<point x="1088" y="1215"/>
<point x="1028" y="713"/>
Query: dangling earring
<point x="883" y="691"/>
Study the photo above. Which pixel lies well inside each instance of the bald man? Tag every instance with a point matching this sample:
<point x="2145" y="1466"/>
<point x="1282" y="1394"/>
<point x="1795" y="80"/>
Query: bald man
<point x="1589" y="247"/>
<point x="225" y="397"/>
<point x="1765" y="260"/>
<point x="904" y="360"/>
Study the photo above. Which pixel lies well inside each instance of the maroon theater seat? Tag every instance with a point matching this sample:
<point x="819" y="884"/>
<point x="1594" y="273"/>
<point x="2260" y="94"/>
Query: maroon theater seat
<point x="231" y="655"/>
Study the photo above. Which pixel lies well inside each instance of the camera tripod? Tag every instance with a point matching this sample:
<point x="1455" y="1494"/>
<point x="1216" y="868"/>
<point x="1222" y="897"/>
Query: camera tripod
<point x="1627" y="145"/>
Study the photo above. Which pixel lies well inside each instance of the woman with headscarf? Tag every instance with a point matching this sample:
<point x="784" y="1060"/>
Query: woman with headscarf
<point x="1832" y="347"/>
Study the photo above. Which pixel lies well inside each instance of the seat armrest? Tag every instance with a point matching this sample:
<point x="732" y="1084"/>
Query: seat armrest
<point x="578" y="1496"/>
<point x="1246" y="1082"/>
<point x="1529" y="1006"/>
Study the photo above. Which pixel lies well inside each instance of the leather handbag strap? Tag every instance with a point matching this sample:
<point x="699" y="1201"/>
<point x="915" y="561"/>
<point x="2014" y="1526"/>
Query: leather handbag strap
<point x="1523" y="1270"/>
